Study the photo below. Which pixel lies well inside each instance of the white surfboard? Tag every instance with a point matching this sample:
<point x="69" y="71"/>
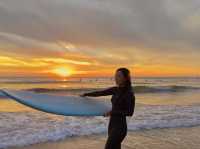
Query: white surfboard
<point x="60" y="105"/>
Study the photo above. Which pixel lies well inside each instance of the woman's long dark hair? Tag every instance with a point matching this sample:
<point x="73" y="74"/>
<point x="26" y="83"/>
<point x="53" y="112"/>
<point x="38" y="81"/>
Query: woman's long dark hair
<point x="127" y="75"/>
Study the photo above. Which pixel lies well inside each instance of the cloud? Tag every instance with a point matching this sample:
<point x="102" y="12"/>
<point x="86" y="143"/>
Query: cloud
<point x="16" y="62"/>
<point x="103" y="23"/>
<point x="64" y="61"/>
<point x="113" y="32"/>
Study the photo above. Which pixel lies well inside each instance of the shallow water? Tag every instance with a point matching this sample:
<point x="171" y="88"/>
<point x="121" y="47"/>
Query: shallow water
<point x="174" y="103"/>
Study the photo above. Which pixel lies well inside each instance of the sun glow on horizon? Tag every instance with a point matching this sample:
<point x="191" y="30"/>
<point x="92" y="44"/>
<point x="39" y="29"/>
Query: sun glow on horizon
<point x="62" y="71"/>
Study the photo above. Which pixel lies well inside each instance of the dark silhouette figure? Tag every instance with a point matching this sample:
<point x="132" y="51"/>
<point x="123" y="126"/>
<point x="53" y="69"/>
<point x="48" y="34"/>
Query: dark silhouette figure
<point x="123" y="104"/>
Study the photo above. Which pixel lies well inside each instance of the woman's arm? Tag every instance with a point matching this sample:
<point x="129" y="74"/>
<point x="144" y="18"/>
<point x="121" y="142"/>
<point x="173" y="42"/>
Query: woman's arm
<point x="105" y="92"/>
<point x="129" y="106"/>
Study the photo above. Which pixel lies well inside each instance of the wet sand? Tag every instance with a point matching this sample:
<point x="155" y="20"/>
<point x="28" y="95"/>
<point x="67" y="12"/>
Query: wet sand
<point x="168" y="138"/>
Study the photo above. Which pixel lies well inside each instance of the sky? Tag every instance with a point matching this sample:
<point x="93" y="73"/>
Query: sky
<point x="95" y="37"/>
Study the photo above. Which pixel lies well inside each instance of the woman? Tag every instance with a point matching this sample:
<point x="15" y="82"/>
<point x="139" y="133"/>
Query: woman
<point x="123" y="104"/>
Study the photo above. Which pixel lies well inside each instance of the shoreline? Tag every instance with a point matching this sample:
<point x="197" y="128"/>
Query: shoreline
<point x="161" y="138"/>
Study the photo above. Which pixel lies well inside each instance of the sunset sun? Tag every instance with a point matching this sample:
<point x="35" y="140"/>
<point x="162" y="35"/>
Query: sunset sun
<point x="62" y="71"/>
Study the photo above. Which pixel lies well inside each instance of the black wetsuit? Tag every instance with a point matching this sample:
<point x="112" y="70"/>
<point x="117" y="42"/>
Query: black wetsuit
<point x="123" y="104"/>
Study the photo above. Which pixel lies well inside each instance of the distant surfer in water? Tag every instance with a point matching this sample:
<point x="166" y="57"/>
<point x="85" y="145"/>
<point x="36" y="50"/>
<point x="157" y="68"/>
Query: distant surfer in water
<point x="123" y="104"/>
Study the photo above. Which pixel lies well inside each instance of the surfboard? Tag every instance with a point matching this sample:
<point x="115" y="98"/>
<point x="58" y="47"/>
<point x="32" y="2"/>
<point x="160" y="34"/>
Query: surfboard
<point x="60" y="105"/>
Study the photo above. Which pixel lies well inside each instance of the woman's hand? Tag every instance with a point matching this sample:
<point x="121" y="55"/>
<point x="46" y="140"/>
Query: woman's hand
<point x="107" y="114"/>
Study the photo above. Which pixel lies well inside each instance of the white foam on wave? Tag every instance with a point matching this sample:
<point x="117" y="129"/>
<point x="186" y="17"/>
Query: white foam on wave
<point x="23" y="128"/>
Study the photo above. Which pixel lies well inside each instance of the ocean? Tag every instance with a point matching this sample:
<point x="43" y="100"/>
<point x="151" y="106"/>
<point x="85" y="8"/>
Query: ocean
<point x="160" y="103"/>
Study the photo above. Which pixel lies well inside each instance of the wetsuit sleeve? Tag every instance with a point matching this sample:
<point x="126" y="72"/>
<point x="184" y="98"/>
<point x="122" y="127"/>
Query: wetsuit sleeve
<point x="105" y="92"/>
<point x="128" y="110"/>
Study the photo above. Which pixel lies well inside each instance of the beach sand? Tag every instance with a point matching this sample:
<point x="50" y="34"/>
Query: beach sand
<point x="167" y="138"/>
